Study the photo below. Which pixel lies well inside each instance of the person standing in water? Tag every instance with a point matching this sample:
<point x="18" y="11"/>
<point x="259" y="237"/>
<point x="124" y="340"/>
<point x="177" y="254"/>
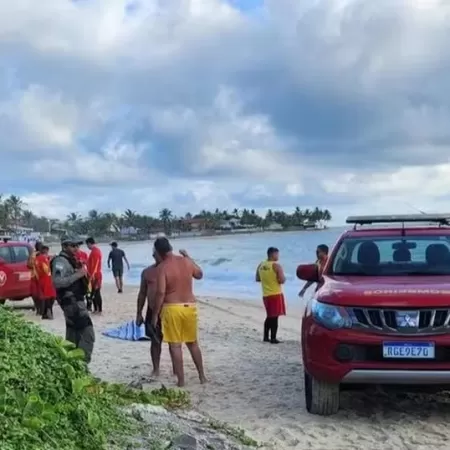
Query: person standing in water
<point x="116" y="258"/>
<point x="175" y="301"/>
<point x="146" y="294"/>
<point x="322" y="258"/>
<point x="271" y="276"/>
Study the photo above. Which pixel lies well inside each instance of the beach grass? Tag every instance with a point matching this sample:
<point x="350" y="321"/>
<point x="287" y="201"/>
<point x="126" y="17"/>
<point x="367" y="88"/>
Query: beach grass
<point x="49" y="400"/>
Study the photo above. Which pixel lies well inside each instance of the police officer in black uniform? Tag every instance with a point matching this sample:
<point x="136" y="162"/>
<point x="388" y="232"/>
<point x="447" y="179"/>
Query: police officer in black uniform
<point x="71" y="284"/>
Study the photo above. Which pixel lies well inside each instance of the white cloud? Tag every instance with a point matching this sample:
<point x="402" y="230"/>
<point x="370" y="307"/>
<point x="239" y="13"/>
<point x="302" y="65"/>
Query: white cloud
<point x="117" y="162"/>
<point x="54" y="205"/>
<point x="409" y="183"/>
<point x="194" y="98"/>
<point x="47" y="118"/>
<point x="230" y="140"/>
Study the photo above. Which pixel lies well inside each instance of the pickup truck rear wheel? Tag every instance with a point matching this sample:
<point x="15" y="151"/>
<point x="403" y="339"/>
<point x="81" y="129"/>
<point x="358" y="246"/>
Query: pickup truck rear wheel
<point x="2" y="301"/>
<point x="321" y="398"/>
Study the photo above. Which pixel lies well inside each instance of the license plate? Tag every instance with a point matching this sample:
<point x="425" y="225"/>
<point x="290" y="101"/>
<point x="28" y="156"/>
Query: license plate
<point x="24" y="276"/>
<point x="408" y="350"/>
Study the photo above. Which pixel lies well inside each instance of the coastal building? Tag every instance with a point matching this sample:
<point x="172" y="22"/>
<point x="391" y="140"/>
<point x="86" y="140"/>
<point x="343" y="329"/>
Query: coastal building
<point x="230" y="224"/>
<point x="128" y="231"/>
<point x="4" y="234"/>
<point x="274" y="226"/>
<point x="195" y="224"/>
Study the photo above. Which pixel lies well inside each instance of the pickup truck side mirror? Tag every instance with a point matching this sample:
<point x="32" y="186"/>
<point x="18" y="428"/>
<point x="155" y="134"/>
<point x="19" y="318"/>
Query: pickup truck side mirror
<point x="308" y="272"/>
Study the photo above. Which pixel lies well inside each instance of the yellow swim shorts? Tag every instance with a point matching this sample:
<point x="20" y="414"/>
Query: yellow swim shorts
<point x="179" y="323"/>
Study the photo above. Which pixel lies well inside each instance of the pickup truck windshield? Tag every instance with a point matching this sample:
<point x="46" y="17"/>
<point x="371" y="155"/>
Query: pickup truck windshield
<point x="391" y="256"/>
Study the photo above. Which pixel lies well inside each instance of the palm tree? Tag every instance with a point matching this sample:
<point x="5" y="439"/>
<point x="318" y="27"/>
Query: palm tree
<point x="73" y="222"/>
<point x="14" y="206"/>
<point x="109" y="222"/>
<point x="93" y="222"/>
<point x="298" y="214"/>
<point x="165" y="215"/>
<point x="28" y="217"/>
<point x="326" y="215"/>
<point x="269" y="217"/>
<point x="129" y="218"/>
<point x="93" y="214"/>
<point x="73" y="217"/>
<point x="12" y="213"/>
<point x="3" y="213"/>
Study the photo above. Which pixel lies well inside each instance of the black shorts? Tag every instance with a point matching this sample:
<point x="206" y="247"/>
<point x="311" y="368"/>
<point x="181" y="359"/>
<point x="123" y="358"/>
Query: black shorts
<point x="117" y="272"/>
<point x="154" y="333"/>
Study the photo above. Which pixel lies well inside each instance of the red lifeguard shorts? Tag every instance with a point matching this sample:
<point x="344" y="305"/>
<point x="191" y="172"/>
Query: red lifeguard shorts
<point x="275" y="305"/>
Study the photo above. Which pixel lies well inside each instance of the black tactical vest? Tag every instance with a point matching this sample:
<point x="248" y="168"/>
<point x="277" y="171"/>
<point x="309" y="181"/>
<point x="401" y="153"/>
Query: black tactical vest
<point x="79" y="288"/>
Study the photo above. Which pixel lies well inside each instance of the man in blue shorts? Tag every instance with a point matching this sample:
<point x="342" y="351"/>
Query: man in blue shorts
<point x="115" y="259"/>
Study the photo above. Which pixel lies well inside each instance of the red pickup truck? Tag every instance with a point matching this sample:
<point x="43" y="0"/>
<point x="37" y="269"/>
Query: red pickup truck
<point x="15" y="277"/>
<point x="382" y="312"/>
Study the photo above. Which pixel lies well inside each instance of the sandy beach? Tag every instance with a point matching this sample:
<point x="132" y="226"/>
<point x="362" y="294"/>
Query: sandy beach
<point x="259" y="387"/>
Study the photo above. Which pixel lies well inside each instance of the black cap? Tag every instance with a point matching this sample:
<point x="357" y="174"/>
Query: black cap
<point x="71" y="241"/>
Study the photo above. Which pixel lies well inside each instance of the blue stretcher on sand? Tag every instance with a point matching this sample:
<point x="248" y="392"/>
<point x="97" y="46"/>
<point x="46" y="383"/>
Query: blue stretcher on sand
<point x="127" y="332"/>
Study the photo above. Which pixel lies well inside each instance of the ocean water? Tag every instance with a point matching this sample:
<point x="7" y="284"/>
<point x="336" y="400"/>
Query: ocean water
<point x="229" y="262"/>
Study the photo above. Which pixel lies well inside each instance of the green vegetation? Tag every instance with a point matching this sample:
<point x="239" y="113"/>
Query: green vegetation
<point x="13" y="213"/>
<point x="236" y="433"/>
<point x="48" y="399"/>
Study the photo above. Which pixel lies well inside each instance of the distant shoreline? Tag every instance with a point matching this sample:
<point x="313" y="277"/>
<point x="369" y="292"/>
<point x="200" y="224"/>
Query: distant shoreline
<point x="197" y="235"/>
<point x="186" y="235"/>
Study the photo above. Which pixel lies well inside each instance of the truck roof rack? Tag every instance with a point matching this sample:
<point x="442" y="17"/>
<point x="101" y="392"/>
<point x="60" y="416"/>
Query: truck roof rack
<point x="441" y="219"/>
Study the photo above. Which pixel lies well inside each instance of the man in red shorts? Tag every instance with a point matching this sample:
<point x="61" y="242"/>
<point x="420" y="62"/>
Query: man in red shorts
<point x="271" y="276"/>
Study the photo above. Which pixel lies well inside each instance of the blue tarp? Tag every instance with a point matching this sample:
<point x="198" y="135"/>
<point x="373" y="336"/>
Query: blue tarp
<point x="128" y="332"/>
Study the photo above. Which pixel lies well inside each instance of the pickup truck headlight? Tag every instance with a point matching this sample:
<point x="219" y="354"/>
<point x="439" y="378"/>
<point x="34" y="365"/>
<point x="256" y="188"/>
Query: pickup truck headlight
<point x="330" y="316"/>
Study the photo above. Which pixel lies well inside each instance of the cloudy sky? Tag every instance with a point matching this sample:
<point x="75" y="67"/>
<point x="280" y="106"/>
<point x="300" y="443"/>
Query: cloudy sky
<point x="198" y="104"/>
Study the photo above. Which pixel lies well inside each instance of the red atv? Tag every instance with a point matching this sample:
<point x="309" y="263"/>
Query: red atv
<point x="15" y="277"/>
<point x="382" y="313"/>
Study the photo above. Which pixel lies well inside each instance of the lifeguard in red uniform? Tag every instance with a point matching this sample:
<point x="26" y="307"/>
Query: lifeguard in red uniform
<point x="47" y="293"/>
<point x="82" y="257"/>
<point x="271" y="276"/>
<point x="94" y="266"/>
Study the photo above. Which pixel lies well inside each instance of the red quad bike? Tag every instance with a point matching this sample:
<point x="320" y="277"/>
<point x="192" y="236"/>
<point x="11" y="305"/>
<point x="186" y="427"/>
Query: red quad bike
<point x="15" y="277"/>
<point x="382" y="313"/>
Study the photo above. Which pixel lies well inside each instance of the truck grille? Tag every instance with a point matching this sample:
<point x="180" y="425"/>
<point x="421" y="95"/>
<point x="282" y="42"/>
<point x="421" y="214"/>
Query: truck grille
<point x="399" y="321"/>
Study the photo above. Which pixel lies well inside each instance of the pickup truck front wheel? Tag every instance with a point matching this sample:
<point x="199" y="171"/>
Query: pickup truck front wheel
<point x="321" y="398"/>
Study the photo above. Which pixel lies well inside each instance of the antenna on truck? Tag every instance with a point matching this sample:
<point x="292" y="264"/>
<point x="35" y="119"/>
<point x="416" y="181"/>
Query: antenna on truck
<point x="416" y="209"/>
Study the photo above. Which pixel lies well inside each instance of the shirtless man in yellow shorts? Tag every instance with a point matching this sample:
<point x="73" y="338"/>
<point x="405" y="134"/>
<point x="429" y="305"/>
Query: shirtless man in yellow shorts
<point x="175" y="302"/>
